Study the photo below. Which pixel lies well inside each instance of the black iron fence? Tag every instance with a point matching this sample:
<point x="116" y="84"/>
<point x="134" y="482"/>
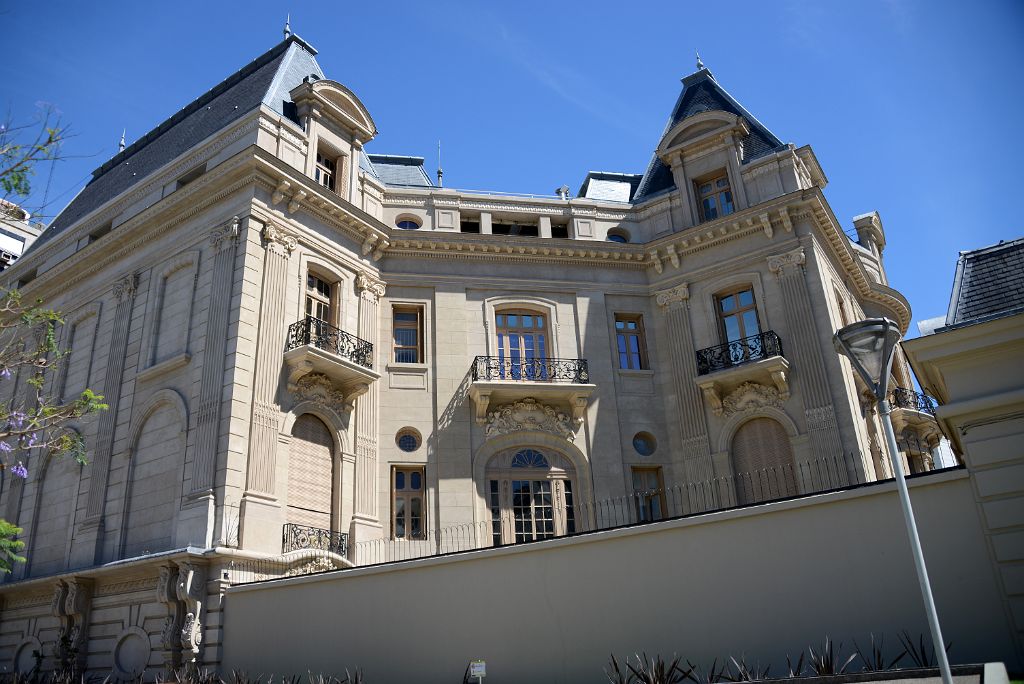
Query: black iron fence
<point x="296" y="537"/>
<point x="530" y="369"/>
<point x="903" y="397"/>
<point x="321" y="335"/>
<point x="753" y="348"/>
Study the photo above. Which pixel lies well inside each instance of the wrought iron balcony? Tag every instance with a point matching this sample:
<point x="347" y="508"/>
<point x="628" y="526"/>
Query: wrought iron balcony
<point x="738" y="352"/>
<point x="299" y="537"/>
<point x="488" y="368"/>
<point x="903" y="397"/>
<point x="321" y="335"/>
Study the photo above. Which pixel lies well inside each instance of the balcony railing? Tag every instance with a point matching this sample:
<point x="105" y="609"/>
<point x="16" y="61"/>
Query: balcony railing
<point x="299" y="537"/>
<point x="487" y="368"/>
<point x="909" y="399"/>
<point x="321" y="335"/>
<point x="753" y="348"/>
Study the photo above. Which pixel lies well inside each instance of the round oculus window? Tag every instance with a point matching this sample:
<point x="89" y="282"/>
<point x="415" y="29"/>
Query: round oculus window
<point x="644" y="443"/>
<point x="408" y="224"/>
<point x="408" y="440"/>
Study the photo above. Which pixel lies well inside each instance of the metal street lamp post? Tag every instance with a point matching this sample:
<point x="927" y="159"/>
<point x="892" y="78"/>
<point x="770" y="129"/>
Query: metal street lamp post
<point x="869" y="344"/>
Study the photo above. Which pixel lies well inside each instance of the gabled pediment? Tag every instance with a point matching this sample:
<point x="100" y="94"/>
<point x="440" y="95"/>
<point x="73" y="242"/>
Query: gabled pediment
<point x="339" y="103"/>
<point x="702" y="129"/>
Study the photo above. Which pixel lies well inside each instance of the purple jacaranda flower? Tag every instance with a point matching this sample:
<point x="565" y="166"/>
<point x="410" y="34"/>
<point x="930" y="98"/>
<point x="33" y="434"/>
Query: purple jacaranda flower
<point x="32" y="439"/>
<point x="4" y="446"/>
<point x="5" y="373"/>
<point x="16" y="419"/>
<point x="20" y="470"/>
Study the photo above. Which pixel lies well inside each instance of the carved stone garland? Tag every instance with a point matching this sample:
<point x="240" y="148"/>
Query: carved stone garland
<point x="529" y="414"/>
<point x="749" y="397"/>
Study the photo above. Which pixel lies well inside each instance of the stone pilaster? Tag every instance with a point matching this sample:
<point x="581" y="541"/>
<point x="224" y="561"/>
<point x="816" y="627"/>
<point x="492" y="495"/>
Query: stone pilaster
<point x="92" y="526"/>
<point x="72" y="601"/>
<point x="803" y="351"/>
<point x="365" y="522"/>
<point x="692" y="426"/>
<point x="223" y="240"/>
<point x="260" y="527"/>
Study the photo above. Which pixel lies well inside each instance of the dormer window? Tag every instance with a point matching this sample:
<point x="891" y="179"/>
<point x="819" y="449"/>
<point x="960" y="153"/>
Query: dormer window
<point x="325" y="170"/>
<point x="715" y="197"/>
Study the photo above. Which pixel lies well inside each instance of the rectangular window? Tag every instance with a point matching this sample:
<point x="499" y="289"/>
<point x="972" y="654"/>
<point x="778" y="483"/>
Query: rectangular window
<point x="407" y="325"/>
<point x="737" y="314"/>
<point x="326" y="168"/>
<point x="318" y="298"/>
<point x="408" y="506"/>
<point x="714" y="197"/>
<point x="648" y="493"/>
<point x="629" y="341"/>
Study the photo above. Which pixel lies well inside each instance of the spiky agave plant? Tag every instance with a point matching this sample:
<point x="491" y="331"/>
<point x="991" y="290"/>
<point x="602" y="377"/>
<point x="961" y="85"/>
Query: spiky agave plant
<point x="712" y="675"/>
<point x="741" y="671"/>
<point x="874" y="659"/>
<point x="826" y="661"/>
<point x="920" y="654"/>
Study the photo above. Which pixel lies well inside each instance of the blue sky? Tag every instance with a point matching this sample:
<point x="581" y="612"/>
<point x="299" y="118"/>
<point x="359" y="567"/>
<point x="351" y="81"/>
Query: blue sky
<point x="912" y="107"/>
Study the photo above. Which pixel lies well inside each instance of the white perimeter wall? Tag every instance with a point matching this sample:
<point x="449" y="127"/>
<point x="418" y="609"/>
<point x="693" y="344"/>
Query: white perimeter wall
<point x="767" y="581"/>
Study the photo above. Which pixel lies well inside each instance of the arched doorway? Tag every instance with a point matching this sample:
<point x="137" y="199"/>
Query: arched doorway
<point x="530" y="494"/>
<point x="311" y="473"/>
<point x="762" y="462"/>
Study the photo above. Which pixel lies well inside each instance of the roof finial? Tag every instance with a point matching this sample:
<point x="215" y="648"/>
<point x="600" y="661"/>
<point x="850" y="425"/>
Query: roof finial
<point x="288" y="26"/>
<point x="440" y="172"/>
<point x="120" y="145"/>
<point x="700" y="64"/>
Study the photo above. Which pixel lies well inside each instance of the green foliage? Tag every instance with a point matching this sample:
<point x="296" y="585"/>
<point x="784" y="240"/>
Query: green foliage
<point x="10" y="546"/>
<point x="23" y="147"/>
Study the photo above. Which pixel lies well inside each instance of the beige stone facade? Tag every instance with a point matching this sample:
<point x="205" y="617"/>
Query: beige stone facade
<point x="291" y="341"/>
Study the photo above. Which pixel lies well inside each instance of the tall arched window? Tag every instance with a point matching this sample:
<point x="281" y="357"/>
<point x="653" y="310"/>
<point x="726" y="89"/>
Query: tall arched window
<point x="762" y="462"/>
<point x="55" y="499"/>
<point x="530" y="496"/>
<point x="154" y="491"/>
<point x="522" y="344"/>
<point x="311" y="473"/>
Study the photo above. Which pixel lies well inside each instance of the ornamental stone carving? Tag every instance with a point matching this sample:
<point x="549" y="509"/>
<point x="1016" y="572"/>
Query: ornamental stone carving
<point x="224" y="237"/>
<point x="750" y="396"/>
<point x="167" y="594"/>
<point x="318" y="388"/>
<point x="191" y="590"/>
<point x="370" y="288"/>
<point x="529" y="414"/>
<point x="778" y="263"/>
<point x="71" y="603"/>
<point x="679" y="293"/>
<point x="278" y="240"/>
<point x="126" y="286"/>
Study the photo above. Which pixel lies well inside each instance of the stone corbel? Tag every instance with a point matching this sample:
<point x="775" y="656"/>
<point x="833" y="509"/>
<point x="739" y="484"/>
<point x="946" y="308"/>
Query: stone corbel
<point x="787" y="222"/>
<point x="280" y="191"/>
<point x="578" y="405"/>
<point x="781" y="381"/>
<point x="379" y="252"/>
<point x="296" y="201"/>
<point x="167" y="594"/>
<point x="71" y="603"/>
<point x="766" y="224"/>
<point x="296" y="371"/>
<point x="369" y="243"/>
<point x="191" y="591"/>
<point x="673" y="257"/>
<point x="656" y="261"/>
<point x="713" y="395"/>
<point x="483" y="400"/>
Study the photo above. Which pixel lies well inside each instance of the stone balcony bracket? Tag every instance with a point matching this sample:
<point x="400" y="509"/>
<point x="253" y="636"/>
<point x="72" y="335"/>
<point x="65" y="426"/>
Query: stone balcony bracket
<point x="349" y="378"/>
<point x="757" y="383"/>
<point x="487" y="394"/>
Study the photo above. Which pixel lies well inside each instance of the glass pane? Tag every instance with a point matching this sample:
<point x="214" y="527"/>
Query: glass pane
<point x="501" y="320"/>
<point x="705" y="188"/>
<point x="620" y="325"/>
<point x="399" y="479"/>
<point x="406" y="316"/>
<point x="405" y="337"/>
<point x="722" y="183"/>
<point x="399" y="518"/>
<point x="732" y="329"/>
<point x="710" y="210"/>
<point x="725" y="200"/>
<point x="527" y="321"/>
<point x="728" y="303"/>
<point x="746" y="297"/>
<point x="416" y="518"/>
<point x="414" y="480"/>
<point x="750" y="323"/>
<point x="513" y="320"/>
<point x="405" y="356"/>
<point x="540" y="321"/>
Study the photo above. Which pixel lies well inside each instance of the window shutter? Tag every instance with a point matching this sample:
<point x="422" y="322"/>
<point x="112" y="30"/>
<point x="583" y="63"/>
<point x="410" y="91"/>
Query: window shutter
<point x="762" y="462"/>
<point x="310" y="473"/>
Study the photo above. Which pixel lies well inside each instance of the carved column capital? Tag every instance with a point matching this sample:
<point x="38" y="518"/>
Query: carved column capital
<point x="126" y="287"/>
<point x="225" y="236"/>
<point x="667" y="298"/>
<point x="778" y="263"/>
<point x="278" y="240"/>
<point x="370" y="288"/>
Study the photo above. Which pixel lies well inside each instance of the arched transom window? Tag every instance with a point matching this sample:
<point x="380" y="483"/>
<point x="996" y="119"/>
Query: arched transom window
<point x="530" y="496"/>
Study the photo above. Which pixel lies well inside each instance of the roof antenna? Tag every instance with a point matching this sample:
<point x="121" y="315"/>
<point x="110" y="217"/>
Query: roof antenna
<point x="700" y="64"/>
<point x="120" y="145"/>
<point x="288" y="26"/>
<point x="440" y="172"/>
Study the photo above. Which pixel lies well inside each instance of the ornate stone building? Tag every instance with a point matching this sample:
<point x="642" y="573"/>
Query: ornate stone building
<point x="310" y="350"/>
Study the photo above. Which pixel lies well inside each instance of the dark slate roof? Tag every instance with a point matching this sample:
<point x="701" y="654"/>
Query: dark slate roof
<point x="392" y="169"/>
<point x="989" y="284"/>
<point x="604" y="185"/>
<point x="701" y="93"/>
<point x="266" y="80"/>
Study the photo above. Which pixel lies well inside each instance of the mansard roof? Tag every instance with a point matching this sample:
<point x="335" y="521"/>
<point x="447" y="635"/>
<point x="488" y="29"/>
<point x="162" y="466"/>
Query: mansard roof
<point x="989" y="284"/>
<point x="392" y="169"/>
<point x="702" y="93"/>
<point x="604" y="185"/>
<point x="267" y="80"/>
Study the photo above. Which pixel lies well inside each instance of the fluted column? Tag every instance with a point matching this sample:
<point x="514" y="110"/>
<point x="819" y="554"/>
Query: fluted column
<point x="266" y="412"/>
<point x="692" y="427"/>
<point x="804" y="352"/>
<point x="371" y="289"/>
<point x="223" y="240"/>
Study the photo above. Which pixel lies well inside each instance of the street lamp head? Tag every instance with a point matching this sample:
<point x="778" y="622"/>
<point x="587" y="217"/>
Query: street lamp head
<point x="869" y="344"/>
